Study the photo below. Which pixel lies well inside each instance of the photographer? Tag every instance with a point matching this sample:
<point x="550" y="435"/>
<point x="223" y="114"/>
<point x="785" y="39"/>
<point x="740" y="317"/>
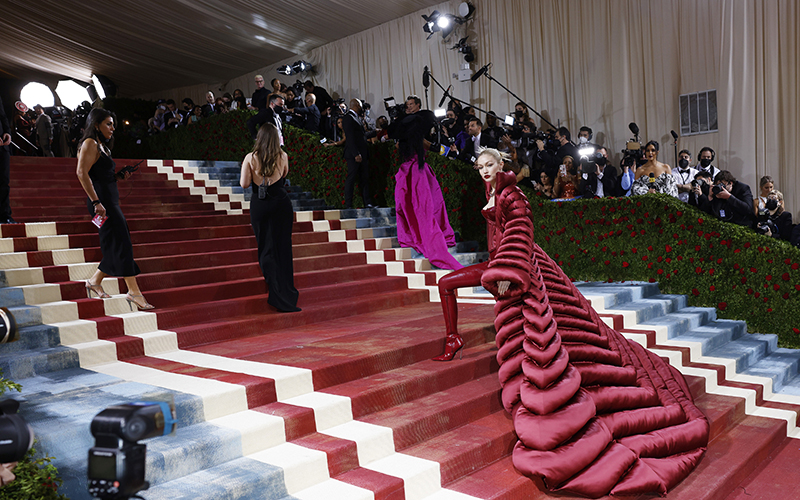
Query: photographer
<point x="701" y="185"/>
<point x="729" y="200"/>
<point x="324" y="100"/>
<point x="599" y="179"/>
<point x="773" y="220"/>
<point x="552" y="160"/>
<point x="585" y="135"/>
<point x="309" y="114"/>
<point x="706" y="157"/>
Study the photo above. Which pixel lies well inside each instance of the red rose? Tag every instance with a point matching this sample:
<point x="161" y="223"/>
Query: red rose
<point x="749" y="291"/>
<point x="668" y="248"/>
<point x="607" y="262"/>
<point x="795" y="266"/>
<point x="785" y="276"/>
<point x="695" y="292"/>
<point x="712" y="288"/>
<point x="698" y="270"/>
<point x="747" y="244"/>
<point x="625" y="264"/>
<point x="776" y="287"/>
<point x="722" y="306"/>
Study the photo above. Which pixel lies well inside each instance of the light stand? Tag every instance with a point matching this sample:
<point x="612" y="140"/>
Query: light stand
<point x="518" y="98"/>
<point x="448" y="94"/>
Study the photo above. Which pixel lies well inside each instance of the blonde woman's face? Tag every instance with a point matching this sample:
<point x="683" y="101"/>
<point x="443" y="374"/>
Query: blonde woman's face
<point x="488" y="166"/>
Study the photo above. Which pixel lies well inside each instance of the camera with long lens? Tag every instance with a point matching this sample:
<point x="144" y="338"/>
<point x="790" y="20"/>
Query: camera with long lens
<point x="763" y="218"/>
<point x="394" y="109"/>
<point x="16" y="436"/>
<point x="551" y="144"/>
<point x="590" y="157"/>
<point x="117" y="460"/>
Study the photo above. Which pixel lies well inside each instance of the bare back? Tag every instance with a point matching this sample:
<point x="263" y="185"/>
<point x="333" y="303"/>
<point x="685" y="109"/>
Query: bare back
<point x="251" y="167"/>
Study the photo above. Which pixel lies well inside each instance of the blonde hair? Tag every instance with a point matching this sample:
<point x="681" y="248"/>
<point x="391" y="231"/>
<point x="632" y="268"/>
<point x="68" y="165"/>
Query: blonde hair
<point x="267" y="149"/>
<point x="498" y="155"/>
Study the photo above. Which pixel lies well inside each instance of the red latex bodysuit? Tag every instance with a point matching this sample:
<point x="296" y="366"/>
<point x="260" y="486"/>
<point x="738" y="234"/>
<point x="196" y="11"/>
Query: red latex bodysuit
<point x="594" y="413"/>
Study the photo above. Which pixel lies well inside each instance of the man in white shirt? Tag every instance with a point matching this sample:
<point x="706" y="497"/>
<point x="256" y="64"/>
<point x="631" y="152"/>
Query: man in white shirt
<point x="684" y="175"/>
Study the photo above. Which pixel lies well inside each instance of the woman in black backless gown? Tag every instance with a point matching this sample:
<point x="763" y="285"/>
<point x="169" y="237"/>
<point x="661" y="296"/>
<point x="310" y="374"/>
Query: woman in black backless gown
<point x="265" y="170"/>
<point x="96" y="171"/>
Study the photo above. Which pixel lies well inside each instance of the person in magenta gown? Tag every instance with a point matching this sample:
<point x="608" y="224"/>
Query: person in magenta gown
<point x="422" y="221"/>
<point x="594" y="413"/>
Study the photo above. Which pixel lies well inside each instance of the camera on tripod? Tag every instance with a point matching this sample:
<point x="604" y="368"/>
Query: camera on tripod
<point x="117" y="460"/>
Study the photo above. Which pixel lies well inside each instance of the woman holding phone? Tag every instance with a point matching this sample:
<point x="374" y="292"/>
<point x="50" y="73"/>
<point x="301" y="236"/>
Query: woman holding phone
<point x="96" y="172"/>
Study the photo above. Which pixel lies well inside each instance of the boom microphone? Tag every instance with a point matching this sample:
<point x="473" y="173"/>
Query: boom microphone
<point x="674" y="135"/>
<point x="446" y="95"/>
<point x="426" y="78"/>
<point x="634" y="128"/>
<point x="480" y="72"/>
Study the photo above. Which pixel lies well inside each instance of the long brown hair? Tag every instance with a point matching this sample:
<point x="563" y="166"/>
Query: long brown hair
<point x="267" y="149"/>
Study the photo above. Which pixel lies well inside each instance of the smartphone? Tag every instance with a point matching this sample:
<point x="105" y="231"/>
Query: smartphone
<point x="509" y="120"/>
<point x="323" y="140"/>
<point x="562" y="170"/>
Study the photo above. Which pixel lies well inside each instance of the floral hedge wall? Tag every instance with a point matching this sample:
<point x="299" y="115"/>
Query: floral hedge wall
<point x="652" y="238"/>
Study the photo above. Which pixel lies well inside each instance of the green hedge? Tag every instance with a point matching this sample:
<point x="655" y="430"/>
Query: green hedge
<point x="650" y="238"/>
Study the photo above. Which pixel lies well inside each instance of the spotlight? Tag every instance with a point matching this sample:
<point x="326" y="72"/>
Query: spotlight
<point x="104" y="86"/>
<point x="286" y="70"/>
<point x="37" y="93"/>
<point x="71" y="93"/>
<point x="301" y="67"/>
<point x="440" y="112"/>
<point x="465" y="10"/>
<point x="443" y="22"/>
<point x="431" y="25"/>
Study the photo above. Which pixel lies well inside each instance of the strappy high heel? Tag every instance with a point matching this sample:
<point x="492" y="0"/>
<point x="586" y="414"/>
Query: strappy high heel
<point x="453" y="344"/>
<point x="97" y="289"/>
<point x="142" y="307"/>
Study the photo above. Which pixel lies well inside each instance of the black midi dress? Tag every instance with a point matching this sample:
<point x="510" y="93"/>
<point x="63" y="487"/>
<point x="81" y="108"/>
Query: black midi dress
<point x="271" y="219"/>
<point x="115" y="238"/>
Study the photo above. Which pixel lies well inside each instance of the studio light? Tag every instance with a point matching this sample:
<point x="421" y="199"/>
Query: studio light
<point x="438" y="113"/>
<point x="37" y="93"/>
<point x="104" y="86"/>
<point x="445" y="23"/>
<point x="466" y="9"/>
<point x="301" y="67"/>
<point x="286" y="70"/>
<point x="71" y="93"/>
<point x="431" y="25"/>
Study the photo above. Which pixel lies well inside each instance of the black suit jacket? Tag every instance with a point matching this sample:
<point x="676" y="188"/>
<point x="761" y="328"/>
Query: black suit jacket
<point x="552" y="161"/>
<point x="260" y="98"/>
<point x="324" y="99"/>
<point x="355" y="143"/>
<point x="737" y="209"/>
<point x="588" y="186"/>
<point x="466" y="154"/>
<point x="310" y="116"/>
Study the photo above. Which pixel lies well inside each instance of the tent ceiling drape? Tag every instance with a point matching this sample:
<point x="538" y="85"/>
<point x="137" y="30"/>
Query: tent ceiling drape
<point x="152" y="45"/>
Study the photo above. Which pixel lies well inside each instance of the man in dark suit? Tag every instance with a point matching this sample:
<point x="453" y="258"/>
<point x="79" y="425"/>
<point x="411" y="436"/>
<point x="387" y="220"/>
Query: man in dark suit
<point x="599" y="180"/>
<point x="5" y="167"/>
<point x="309" y="114"/>
<point x="733" y="203"/>
<point x="565" y="148"/>
<point x="476" y="141"/>
<point x="324" y="99"/>
<point x="209" y="108"/>
<point x="356" y="155"/>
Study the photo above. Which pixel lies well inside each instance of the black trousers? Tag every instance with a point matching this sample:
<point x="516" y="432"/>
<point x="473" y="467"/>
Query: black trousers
<point x="358" y="171"/>
<point x="5" y="179"/>
<point x="254" y="121"/>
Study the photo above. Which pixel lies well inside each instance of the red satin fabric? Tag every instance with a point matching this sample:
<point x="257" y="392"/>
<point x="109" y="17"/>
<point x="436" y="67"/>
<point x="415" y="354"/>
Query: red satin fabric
<point x="595" y="414"/>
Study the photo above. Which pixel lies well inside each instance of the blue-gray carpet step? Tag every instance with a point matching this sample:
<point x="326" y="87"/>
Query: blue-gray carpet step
<point x="358" y="213"/>
<point x="747" y="350"/>
<point x="781" y="366"/>
<point x="240" y="479"/>
<point x="714" y="334"/>
<point x="25" y="315"/>
<point x="619" y="293"/>
<point x="32" y="337"/>
<point x="32" y="362"/>
<point x="11" y="296"/>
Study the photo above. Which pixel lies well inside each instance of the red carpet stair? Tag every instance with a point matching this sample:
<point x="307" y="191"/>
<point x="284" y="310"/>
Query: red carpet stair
<point x="340" y="400"/>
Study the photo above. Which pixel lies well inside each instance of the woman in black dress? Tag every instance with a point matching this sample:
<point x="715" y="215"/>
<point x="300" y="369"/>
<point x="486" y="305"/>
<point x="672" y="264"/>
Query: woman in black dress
<point x="96" y="171"/>
<point x="265" y="169"/>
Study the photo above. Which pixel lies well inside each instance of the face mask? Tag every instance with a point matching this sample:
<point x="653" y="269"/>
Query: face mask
<point x="582" y="140"/>
<point x="519" y="114"/>
<point x="683" y="163"/>
<point x="278" y="109"/>
<point x="705" y="162"/>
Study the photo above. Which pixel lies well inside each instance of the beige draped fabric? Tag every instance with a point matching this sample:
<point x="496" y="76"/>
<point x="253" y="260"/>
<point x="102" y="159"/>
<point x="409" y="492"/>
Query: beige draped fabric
<point x="601" y="63"/>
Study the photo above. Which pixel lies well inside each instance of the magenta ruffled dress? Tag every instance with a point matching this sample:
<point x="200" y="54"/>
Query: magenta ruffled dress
<point x="422" y="222"/>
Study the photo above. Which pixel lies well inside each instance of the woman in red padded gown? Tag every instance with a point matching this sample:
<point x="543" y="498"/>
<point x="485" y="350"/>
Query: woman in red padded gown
<point x="594" y="412"/>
